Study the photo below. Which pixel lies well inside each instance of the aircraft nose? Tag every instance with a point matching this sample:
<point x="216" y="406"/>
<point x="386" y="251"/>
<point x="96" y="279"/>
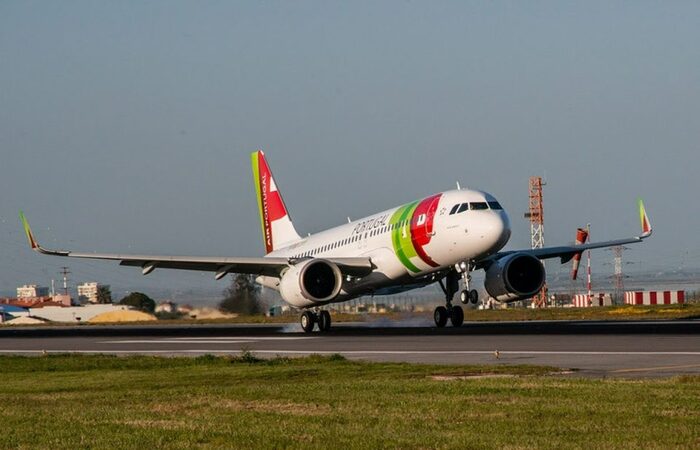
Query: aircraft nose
<point x="496" y="230"/>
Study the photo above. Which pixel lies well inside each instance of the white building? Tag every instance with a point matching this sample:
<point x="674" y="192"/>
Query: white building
<point x="74" y="313"/>
<point x="32" y="291"/>
<point x="87" y="292"/>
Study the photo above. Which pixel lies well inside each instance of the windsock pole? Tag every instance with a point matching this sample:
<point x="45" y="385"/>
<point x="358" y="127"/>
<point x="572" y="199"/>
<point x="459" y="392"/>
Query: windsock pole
<point x="588" y="254"/>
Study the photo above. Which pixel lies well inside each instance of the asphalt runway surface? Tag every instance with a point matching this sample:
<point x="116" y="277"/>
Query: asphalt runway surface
<point x="597" y="349"/>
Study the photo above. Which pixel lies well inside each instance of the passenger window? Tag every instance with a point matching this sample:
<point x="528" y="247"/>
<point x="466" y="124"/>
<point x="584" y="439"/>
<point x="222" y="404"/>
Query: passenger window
<point x="479" y="206"/>
<point x="454" y="209"/>
<point x="495" y="205"/>
<point x="463" y="207"/>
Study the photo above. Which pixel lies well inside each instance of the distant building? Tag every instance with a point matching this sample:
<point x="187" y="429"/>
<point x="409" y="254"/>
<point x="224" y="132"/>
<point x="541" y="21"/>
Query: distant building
<point x="166" y="307"/>
<point x="87" y="292"/>
<point x="30" y="302"/>
<point x="63" y="299"/>
<point x="32" y="291"/>
<point x="9" y="312"/>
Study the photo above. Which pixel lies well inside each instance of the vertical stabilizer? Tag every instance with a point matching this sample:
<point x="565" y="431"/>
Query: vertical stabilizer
<point x="277" y="227"/>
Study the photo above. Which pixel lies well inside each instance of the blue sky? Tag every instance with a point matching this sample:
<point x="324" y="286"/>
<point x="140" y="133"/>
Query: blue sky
<point x="126" y="126"/>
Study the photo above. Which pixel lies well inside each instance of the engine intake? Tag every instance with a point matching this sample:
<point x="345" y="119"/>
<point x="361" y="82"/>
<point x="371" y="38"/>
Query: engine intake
<point x="311" y="282"/>
<point x="514" y="277"/>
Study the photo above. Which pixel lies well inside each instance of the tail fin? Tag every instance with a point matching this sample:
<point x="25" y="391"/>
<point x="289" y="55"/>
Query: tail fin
<point x="277" y="227"/>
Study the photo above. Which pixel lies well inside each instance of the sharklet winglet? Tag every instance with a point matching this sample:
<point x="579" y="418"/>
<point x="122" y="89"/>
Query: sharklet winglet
<point x="28" y="231"/>
<point x="644" y="219"/>
<point x="33" y="243"/>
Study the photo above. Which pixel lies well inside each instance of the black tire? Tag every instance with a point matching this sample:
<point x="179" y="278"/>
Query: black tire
<point x="307" y="321"/>
<point x="440" y="316"/>
<point x="473" y="297"/>
<point x="464" y="297"/>
<point x="324" y="321"/>
<point x="457" y="316"/>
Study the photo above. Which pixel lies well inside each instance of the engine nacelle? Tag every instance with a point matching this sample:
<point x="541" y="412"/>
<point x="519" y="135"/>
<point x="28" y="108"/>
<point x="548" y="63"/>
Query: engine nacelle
<point x="514" y="277"/>
<point x="311" y="282"/>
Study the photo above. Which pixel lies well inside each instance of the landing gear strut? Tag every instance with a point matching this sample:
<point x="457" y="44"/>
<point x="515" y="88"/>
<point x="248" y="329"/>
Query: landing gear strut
<point x="309" y="319"/>
<point x="454" y="313"/>
<point x="468" y="296"/>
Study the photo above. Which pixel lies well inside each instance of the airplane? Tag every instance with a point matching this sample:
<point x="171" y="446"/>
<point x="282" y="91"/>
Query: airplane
<point x="437" y="239"/>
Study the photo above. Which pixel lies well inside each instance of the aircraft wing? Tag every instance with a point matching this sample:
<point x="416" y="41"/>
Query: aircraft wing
<point x="268" y="266"/>
<point x="566" y="252"/>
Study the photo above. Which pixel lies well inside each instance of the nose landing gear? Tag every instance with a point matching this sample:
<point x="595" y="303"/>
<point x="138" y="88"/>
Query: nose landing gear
<point x="450" y="288"/>
<point x="467" y="296"/>
<point x="454" y="313"/>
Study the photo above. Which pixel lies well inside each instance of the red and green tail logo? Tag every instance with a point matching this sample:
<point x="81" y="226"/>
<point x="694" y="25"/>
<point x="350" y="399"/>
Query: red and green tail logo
<point x="412" y="229"/>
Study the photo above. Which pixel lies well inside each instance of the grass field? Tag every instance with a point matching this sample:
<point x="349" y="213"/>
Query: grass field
<point x="627" y="312"/>
<point x="214" y="402"/>
<point x="686" y="311"/>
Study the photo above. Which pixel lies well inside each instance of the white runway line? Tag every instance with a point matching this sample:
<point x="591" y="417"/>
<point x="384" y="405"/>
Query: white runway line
<point x="205" y="340"/>
<point x="469" y="352"/>
<point x="366" y="352"/>
<point x="173" y="341"/>
<point x="261" y="338"/>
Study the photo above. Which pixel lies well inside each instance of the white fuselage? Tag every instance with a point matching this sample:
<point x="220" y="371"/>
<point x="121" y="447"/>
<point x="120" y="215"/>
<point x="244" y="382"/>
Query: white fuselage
<point x="409" y="242"/>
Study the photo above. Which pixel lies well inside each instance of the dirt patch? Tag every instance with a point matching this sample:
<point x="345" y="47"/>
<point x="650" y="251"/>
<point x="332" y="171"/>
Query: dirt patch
<point x="162" y="424"/>
<point x="471" y="376"/>
<point x="479" y="376"/>
<point x="300" y="409"/>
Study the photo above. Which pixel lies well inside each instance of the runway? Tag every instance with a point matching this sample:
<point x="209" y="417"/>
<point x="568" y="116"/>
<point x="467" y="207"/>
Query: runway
<point x="597" y="349"/>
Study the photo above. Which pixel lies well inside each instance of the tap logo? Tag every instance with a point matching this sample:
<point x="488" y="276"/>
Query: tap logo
<point x="412" y="230"/>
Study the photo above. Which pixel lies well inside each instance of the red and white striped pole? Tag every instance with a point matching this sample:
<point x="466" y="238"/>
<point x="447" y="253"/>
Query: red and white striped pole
<point x="588" y="233"/>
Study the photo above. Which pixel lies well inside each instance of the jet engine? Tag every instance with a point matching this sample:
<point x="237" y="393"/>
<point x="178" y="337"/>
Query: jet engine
<point x="514" y="277"/>
<point x="311" y="282"/>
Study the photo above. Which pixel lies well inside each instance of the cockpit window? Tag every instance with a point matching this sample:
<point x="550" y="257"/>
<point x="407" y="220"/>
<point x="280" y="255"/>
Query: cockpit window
<point x="479" y="205"/>
<point x="495" y="205"/>
<point x="454" y="209"/>
<point x="463" y="207"/>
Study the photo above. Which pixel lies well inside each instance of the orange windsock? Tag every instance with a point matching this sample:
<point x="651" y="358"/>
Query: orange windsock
<point x="581" y="237"/>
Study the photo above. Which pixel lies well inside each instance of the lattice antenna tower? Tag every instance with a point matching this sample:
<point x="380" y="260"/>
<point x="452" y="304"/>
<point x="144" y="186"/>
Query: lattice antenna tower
<point x="536" y="212"/>
<point x="65" y="272"/>
<point x="535" y="215"/>
<point x="619" y="275"/>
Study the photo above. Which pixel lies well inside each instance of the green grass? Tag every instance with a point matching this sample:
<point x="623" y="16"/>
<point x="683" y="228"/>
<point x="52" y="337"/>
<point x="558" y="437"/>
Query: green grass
<point x="626" y="312"/>
<point x="319" y="402"/>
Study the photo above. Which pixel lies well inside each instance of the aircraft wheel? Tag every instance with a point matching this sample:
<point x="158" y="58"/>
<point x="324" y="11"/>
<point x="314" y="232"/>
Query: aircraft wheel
<point x="473" y="296"/>
<point x="457" y="316"/>
<point x="440" y="316"/>
<point x="307" y="321"/>
<point x="464" y="297"/>
<point x="324" y="321"/>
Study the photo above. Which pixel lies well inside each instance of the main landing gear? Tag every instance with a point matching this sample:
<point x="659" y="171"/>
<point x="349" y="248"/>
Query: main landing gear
<point x="455" y="313"/>
<point x="309" y="319"/>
